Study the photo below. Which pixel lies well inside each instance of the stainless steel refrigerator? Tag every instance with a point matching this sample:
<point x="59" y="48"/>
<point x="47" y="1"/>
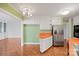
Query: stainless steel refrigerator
<point x="58" y="35"/>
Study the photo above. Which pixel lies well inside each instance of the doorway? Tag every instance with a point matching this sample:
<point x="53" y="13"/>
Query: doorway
<point x="31" y="33"/>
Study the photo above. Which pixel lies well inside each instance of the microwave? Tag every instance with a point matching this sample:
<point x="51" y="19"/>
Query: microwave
<point x="76" y="31"/>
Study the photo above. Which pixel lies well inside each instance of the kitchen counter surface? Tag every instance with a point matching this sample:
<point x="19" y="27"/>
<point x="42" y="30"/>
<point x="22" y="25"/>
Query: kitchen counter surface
<point x="45" y="35"/>
<point x="72" y="41"/>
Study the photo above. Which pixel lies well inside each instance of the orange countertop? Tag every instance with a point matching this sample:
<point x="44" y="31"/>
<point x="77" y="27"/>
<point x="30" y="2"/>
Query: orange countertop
<point x="72" y="41"/>
<point x="45" y="35"/>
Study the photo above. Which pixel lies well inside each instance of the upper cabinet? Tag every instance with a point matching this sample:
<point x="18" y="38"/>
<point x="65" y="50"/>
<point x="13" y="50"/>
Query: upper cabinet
<point x="76" y="20"/>
<point x="57" y="20"/>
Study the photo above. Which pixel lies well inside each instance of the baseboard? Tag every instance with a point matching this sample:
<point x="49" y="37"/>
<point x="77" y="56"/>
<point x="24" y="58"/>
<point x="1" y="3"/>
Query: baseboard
<point x="31" y="43"/>
<point x="2" y="38"/>
<point x="22" y="45"/>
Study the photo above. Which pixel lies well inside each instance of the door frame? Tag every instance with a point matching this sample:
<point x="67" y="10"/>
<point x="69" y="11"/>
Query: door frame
<point x="22" y="33"/>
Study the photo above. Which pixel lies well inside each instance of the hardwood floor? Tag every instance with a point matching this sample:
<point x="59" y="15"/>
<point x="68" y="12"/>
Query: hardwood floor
<point x="33" y="50"/>
<point x="12" y="47"/>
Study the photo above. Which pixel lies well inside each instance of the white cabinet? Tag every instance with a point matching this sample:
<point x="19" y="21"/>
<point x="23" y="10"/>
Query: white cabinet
<point x="57" y="21"/>
<point x="45" y="44"/>
<point x="76" y="20"/>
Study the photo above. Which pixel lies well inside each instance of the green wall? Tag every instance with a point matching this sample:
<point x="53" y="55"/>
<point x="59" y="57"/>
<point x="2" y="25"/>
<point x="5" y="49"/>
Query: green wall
<point x="31" y="33"/>
<point x="8" y="8"/>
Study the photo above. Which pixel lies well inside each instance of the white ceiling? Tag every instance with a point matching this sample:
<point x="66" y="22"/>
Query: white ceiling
<point x="49" y="9"/>
<point x="5" y="17"/>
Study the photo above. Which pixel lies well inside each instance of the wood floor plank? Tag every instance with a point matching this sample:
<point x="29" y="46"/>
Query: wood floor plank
<point x="33" y="50"/>
<point x="12" y="47"/>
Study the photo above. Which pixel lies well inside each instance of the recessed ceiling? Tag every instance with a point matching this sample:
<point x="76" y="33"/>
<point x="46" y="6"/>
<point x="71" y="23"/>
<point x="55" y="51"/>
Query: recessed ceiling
<point x="49" y="9"/>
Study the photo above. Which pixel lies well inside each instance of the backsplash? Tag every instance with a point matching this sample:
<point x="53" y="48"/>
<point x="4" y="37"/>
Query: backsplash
<point x="45" y="31"/>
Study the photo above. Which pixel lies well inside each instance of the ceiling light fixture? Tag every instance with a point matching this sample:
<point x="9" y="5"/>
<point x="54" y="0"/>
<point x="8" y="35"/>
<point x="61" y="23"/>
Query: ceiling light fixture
<point x="65" y="12"/>
<point x="27" y="12"/>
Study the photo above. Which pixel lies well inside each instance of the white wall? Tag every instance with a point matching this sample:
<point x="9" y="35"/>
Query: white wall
<point x="13" y="29"/>
<point x="57" y="20"/>
<point x="44" y="21"/>
<point x="3" y="20"/>
<point x="68" y="28"/>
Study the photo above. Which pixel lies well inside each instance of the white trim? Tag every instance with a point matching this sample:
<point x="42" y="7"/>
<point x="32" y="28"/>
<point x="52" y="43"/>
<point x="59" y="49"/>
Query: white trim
<point x="8" y="13"/>
<point x="22" y="43"/>
<point x="22" y="34"/>
<point x="15" y="8"/>
<point x="31" y="43"/>
<point x="2" y="38"/>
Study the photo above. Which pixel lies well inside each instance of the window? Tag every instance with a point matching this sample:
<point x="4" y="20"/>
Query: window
<point x="0" y="27"/>
<point x="4" y="27"/>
